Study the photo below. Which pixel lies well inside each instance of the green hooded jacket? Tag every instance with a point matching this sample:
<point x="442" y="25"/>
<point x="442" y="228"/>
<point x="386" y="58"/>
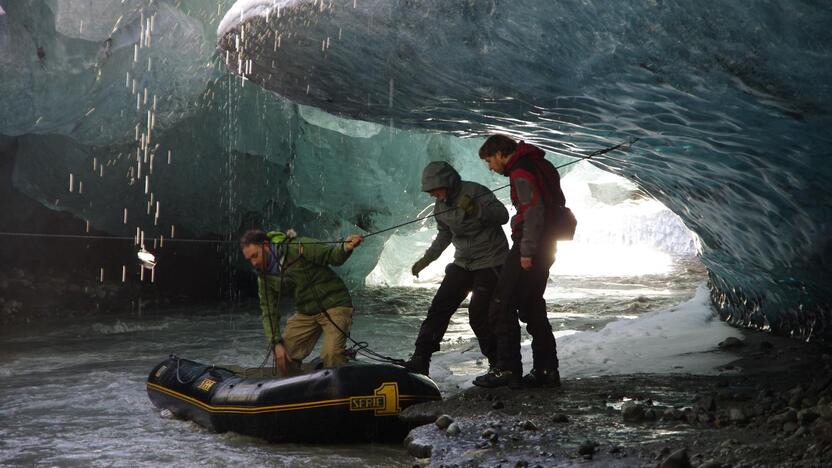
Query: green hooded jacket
<point x="305" y="272"/>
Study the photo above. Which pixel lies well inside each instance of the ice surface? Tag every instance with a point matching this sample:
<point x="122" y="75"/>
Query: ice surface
<point x="680" y="339"/>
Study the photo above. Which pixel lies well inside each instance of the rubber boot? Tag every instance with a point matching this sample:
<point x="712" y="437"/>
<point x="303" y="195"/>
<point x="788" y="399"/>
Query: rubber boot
<point x="418" y="364"/>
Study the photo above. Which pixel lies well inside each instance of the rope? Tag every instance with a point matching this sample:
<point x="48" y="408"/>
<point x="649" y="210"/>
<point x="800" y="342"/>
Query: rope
<point x="220" y="241"/>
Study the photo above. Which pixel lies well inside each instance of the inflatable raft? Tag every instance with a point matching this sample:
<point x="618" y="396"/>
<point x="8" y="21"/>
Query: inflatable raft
<point x="356" y="402"/>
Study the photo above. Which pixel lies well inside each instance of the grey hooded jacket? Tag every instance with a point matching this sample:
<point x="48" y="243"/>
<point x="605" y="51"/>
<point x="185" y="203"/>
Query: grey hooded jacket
<point x="478" y="238"/>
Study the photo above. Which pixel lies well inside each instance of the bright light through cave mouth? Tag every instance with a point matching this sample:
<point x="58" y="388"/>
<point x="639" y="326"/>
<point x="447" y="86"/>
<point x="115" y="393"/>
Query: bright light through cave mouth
<point x="622" y="232"/>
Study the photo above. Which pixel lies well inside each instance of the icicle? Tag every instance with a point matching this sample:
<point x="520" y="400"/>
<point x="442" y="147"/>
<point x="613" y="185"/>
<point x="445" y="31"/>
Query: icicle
<point x="170" y="153"/>
<point x="127" y="81"/>
<point x="135" y="53"/>
<point x="141" y="273"/>
<point x="80" y="187"/>
<point x="141" y="238"/>
<point x="161" y="241"/>
<point x="87" y="229"/>
<point x="152" y="275"/>
<point x="101" y="171"/>
<point x="146" y="184"/>
<point x="172" y="231"/>
<point x="136" y="237"/>
<point x="125" y="216"/>
<point x="94" y="164"/>
<point x="101" y="275"/>
<point x="71" y="182"/>
<point x="124" y="273"/>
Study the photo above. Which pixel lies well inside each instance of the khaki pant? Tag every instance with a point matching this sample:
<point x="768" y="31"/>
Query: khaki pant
<point x="302" y="332"/>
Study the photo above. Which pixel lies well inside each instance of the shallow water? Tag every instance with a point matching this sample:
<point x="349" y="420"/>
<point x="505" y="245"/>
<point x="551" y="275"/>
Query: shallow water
<point x="74" y="394"/>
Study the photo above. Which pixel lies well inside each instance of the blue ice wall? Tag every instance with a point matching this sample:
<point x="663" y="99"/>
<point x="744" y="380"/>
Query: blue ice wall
<point x="121" y="114"/>
<point x="731" y="101"/>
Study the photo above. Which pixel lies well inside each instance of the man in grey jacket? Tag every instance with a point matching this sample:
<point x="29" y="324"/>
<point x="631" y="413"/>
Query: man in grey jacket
<point x="470" y="217"/>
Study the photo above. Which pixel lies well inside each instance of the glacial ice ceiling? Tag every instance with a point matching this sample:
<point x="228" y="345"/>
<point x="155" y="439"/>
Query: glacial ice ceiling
<point x="731" y="102"/>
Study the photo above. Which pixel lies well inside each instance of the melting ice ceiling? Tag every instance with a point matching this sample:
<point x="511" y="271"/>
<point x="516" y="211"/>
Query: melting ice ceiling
<point x="730" y="102"/>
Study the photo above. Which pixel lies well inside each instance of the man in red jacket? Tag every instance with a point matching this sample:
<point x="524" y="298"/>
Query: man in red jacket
<point x="538" y="198"/>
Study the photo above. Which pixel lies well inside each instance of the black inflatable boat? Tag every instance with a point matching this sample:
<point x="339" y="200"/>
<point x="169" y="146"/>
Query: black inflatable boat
<point x="356" y="402"/>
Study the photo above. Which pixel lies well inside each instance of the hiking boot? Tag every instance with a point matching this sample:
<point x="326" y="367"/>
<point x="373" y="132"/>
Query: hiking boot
<point x="417" y="364"/>
<point x="548" y="378"/>
<point x="499" y="378"/>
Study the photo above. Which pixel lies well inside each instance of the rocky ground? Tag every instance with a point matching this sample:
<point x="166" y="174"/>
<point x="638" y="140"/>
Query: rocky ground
<point x="771" y="407"/>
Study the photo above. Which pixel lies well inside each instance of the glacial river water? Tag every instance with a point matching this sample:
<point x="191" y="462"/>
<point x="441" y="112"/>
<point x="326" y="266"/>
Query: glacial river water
<point x="73" y="394"/>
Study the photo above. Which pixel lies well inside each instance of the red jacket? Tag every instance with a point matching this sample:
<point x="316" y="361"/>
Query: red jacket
<point x="536" y="194"/>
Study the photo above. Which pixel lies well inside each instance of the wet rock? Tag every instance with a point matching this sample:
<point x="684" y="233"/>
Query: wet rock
<point x="528" y="426"/>
<point x="706" y="418"/>
<point x="417" y="448"/>
<point x="560" y="418"/>
<point x="731" y="343"/>
<point x="498" y="405"/>
<point x="737" y="415"/>
<point x="677" y="459"/>
<point x="784" y="417"/>
<point x="453" y="429"/>
<point x="491" y="435"/>
<point x="632" y="412"/>
<point x="822" y="429"/>
<point x="800" y="432"/>
<point x="442" y="422"/>
<point x="419" y="415"/>
<point x="706" y="403"/>
<point x="825" y="411"/>
<point x="588" y="447"/>
<point x="807" y="416"/>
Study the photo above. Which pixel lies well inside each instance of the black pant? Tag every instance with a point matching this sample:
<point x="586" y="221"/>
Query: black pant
<point x="519" y="294"/>
<point x="456" y="285"/>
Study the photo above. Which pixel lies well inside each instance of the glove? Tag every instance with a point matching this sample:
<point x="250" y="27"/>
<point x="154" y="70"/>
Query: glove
<point x="467" y="204"/>
<point x="419" y="266"/>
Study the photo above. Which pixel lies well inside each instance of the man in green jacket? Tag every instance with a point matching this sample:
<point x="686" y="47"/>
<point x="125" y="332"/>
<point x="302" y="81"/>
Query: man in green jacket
<point x="300" y="265"/>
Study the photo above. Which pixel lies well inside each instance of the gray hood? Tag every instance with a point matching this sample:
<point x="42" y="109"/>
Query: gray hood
<point x="439" y="174"/>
